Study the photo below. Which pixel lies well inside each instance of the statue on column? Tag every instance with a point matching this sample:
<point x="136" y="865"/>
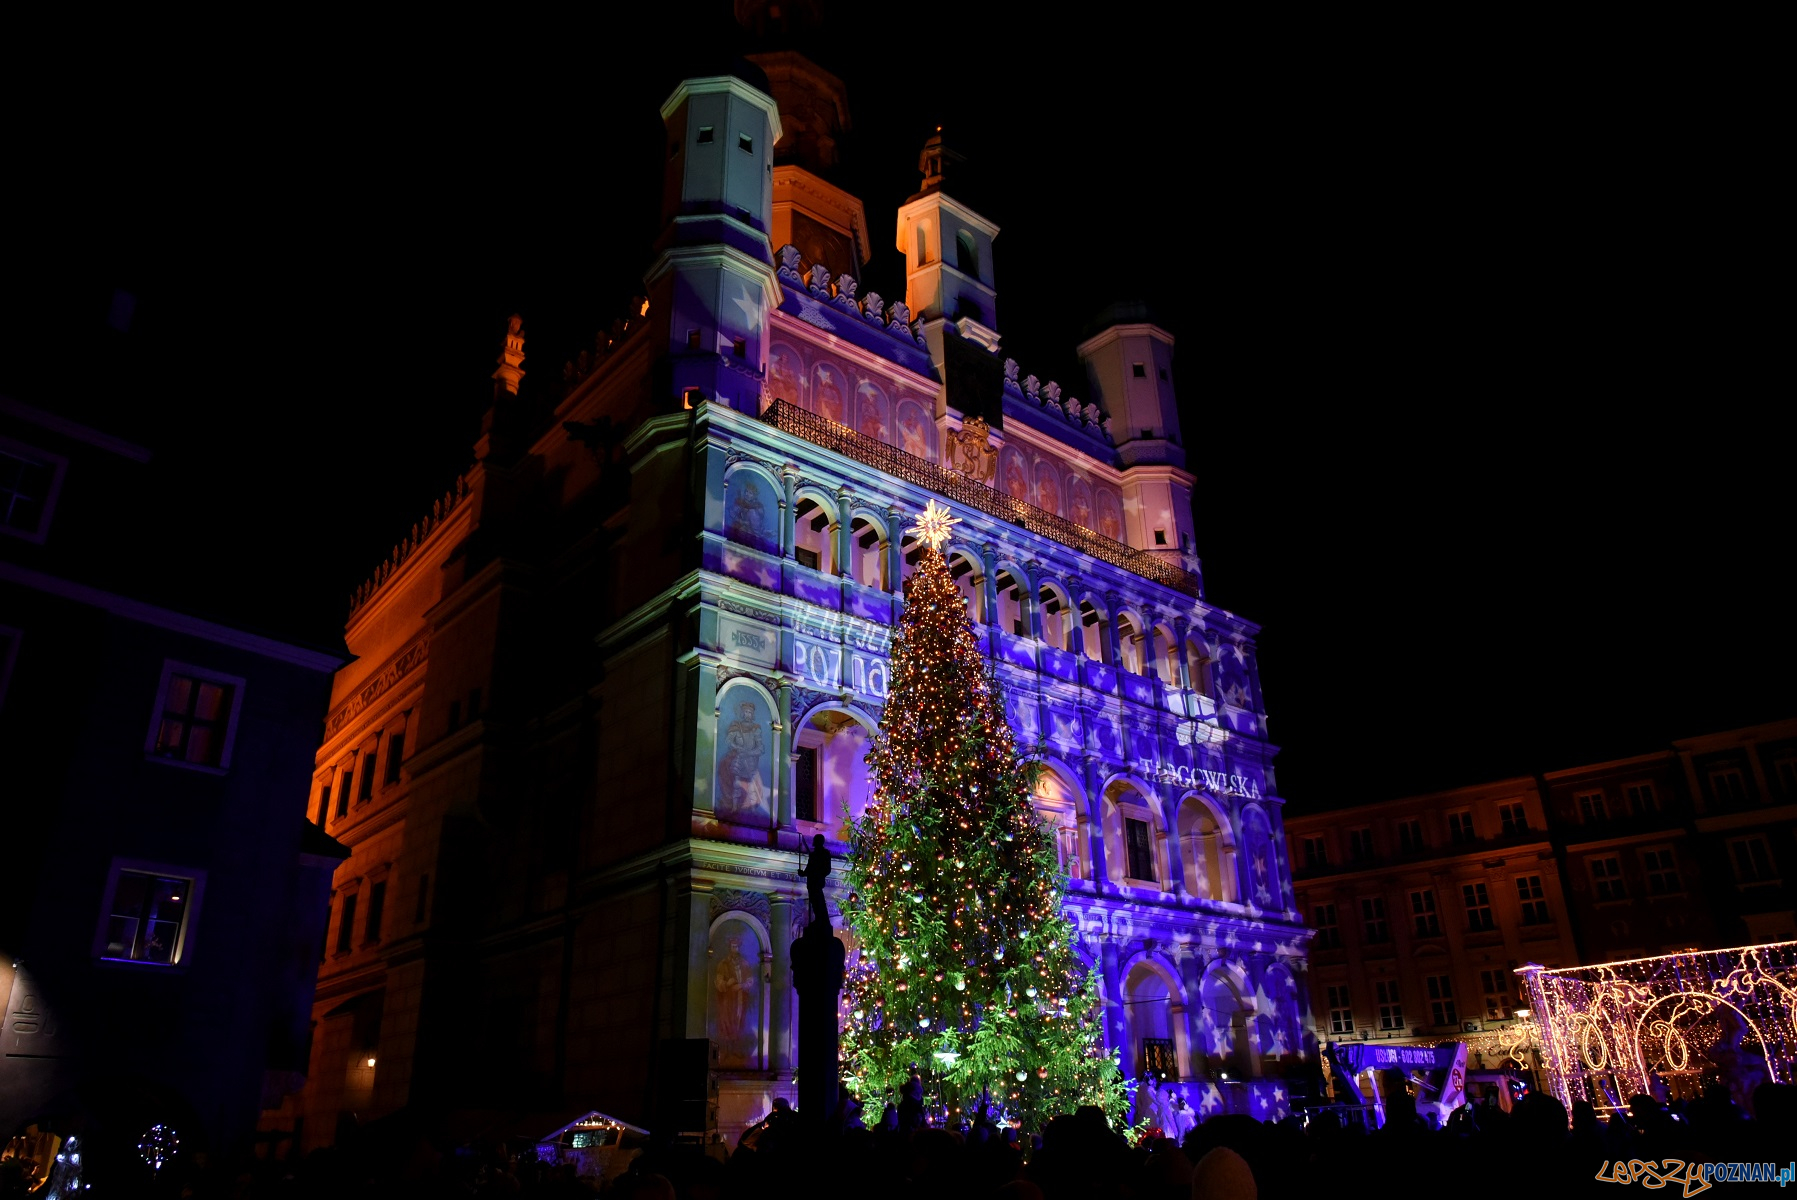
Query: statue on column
<point x="817" y="869"/>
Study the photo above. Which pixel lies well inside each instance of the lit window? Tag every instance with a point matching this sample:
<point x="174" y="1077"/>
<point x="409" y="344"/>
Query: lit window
<point x="1372" y="919"/>
<point x="29" y="479"/>
<point x="1661" y="871"/>
<point x="1441" y="999"/>
<point x="1532" y="898"/>
<point x="1460" y="827"/>
<point x="1341" y="1012"/>
<point x="1512" y="818"/>
<point x="1391" y="1012"/>
<point x="1422" y="913"/>
<point x="196" y="714"/>
<point x="148" y="915"/>
<point x="1606" y="878"/>
<point x="1497" y="995"/>
<point x="1329" y="934"/>
<point x="1410" y="835"/>
<point x="1478" y="906"/>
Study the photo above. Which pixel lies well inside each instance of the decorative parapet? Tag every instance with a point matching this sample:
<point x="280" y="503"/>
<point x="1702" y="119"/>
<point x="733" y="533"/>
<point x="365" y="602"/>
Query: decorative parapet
<point x="1047" y="397"/>
<point x="814" y="280"/>
<point x="605" y="343"/>
<point x="820" y="431"/>
<point x="423" y="529"/>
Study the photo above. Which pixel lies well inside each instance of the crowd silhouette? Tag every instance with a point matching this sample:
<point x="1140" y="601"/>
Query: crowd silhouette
<point x="1080" y="1156"/>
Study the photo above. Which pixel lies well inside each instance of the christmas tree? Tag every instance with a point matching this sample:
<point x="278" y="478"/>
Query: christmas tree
<point x="966" y="971"/>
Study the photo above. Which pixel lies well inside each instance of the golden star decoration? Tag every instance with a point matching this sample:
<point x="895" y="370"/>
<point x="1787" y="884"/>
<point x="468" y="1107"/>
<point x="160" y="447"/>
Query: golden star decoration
<point x="932" y="525"/>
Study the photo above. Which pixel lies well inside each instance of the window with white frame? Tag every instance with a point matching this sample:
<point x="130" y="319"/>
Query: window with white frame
<point x="1441" y="999"/>
<point x="147" y="913"/>
<point x="1642" y="798"/>
<point x="1606" y="877"/>
<point x="1751" y="857"/>
<point x="1497" y="994"/>
<point x="1391" y="1010"/>
<point x="195" y="719"/>
<point x="1592" y="808"/>
<point x="1460" y="827"/>
<point x="1360" y="844"/>
<point x="29" y="481"/>
<point x="1478" y="906"/>
<point x="1140" y="848"/>
<point x="1373" y="926"/>
<point x="1661" y="871"/>
<point x="1422" y="913"/>
<point x="1512" y="818"/>
<point x="1341" y="1011"/>
<point x="1728" y="785"/>
<point x="1532" y="898"/>
<point x="1329" y="934"/>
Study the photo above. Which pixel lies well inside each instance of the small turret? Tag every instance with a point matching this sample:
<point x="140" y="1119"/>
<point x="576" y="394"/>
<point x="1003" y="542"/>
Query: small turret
<point x="948" y="253"/>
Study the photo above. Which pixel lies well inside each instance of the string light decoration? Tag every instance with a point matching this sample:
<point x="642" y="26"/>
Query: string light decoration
<point x="967" y="972"/>
<point x="1610" y="1031"/>
<point x="158" y="1145"/>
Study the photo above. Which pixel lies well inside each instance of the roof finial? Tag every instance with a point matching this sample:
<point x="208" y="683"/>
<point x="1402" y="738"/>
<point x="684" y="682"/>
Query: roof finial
<point x="930" y="162"/>
<point x="511" y="359"/>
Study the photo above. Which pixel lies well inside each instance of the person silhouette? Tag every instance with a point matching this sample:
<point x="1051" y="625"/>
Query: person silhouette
<point x="817" y="869"/>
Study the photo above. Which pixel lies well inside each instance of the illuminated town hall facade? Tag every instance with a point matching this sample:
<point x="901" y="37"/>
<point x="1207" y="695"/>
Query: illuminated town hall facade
<point x="631" y="662"/>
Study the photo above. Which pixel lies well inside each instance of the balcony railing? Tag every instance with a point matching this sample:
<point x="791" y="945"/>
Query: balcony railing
<point x="788" y="417"/>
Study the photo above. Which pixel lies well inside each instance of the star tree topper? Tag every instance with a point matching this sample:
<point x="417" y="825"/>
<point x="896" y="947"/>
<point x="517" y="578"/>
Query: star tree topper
<point x="932" y="525"/>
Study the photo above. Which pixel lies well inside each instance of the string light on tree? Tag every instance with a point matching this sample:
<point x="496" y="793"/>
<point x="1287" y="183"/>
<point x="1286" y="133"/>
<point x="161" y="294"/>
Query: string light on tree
<point x="967" y="969"/>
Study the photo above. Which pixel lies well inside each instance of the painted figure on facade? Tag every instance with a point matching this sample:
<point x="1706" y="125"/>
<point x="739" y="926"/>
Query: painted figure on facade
<point x="817" y="869"/>
<point x="1017" y="483"/>
<point x="742" y="785"/>
<point x="1110" y="516"/>
<point x="748" y="512"/>
<point x="737" y="997"/>
<point x="872" y="422"/>
<point x="829" y="394"/>
<point x="1048" y="489"/>
<point x="783" y="375"/>
<point x="1079" y="503"/>
<point x="911" y="430"/>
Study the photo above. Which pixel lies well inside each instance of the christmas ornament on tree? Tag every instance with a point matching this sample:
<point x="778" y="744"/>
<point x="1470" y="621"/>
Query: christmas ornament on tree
<point x="967" y="967"/>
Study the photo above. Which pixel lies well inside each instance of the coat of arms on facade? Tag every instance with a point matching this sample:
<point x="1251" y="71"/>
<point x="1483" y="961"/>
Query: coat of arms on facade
<point x="970" y="451"/>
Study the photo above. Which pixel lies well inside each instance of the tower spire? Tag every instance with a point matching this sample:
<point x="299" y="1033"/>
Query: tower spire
<point x="511" y="360"/>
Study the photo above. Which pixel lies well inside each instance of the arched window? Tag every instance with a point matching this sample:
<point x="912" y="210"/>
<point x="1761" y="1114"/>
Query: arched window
<point x="1096" y="631"/>
<point x="923" y="242"/>
<point x="1224" y="1036"/>
<point x="1057" y="617"/>
<point x="830" y="782"/>
<point x="1012" y="615"/>
<point x="1198" y="662"/>
<point x="813" y="542"/>
<point x="1205" y="849"/>
<point x="1148" y="1017"/>
<point x="1166" y="656"/>
<point x="967" y="254"/>
<point x="970" y="582"/>
<point x="1131" y="651"/>
<point x="1132" y="850"/>
<point x="867" y="543"/>
<point x="1057" y="803"/>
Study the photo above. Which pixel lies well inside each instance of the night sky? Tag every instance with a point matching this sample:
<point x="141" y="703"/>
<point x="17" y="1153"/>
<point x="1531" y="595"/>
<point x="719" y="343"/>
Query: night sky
<point x="1472" y="362"/>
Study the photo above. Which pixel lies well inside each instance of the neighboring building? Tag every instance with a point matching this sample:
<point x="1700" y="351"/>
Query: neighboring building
<point x="631" y="662"/>
<point x="1423" y="908"/>
<point x="161" y="906"/>
<point x="1626" y="846"/>
<point x="1688" y="848"/>
<point x="1743" y="785"/>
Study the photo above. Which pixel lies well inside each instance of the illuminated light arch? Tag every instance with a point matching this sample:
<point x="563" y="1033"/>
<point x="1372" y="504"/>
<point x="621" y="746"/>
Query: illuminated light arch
<point x="1746" y="1019"/>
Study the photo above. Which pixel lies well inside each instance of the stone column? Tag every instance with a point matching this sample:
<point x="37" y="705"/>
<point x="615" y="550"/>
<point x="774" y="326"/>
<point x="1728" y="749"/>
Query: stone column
<point x="1101" y="875"/>
<point x="785" y="758"/>
<point x="1182" y="1040"/>
<point x="1113" y="601"/>
<point x="1076" y="629"/>
<point x="844" y="551"/>
<point x="1116" y="1027"/>
<point x="780" y="1020"/>
<point x="1185" y="667"/>
<point x="705" y="710"/>
<point x="989" y="585"/>
<point x="789" y="513"/>
<point x="692" y="919"/>
<point x="1169" y="833"/>
<point x="818" y="958"/>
